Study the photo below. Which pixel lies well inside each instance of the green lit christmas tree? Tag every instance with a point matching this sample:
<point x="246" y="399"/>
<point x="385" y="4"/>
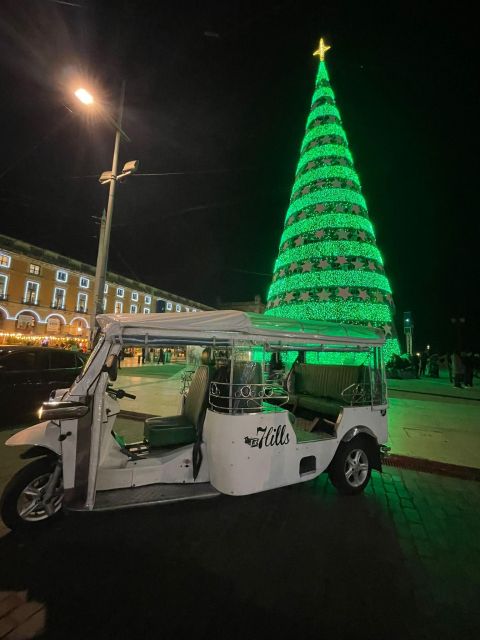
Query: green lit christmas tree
<point x="329" y="266"/>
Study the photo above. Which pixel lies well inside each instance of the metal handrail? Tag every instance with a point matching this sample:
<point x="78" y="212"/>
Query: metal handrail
<point x="246" y="397"/>
<point x="357" y="393"/>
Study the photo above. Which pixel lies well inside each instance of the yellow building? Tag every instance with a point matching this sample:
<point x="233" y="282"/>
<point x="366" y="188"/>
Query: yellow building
<point x="46" y="295"/>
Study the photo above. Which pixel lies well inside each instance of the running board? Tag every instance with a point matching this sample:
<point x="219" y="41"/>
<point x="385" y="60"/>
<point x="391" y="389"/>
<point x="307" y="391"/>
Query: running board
<point x="152" y="494"/>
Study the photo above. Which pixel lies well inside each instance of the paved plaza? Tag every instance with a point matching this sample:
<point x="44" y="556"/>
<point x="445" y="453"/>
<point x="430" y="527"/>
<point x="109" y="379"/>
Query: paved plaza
<point x="401" y="561"/>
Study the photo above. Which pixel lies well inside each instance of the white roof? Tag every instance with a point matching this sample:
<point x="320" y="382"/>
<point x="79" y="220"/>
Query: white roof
<point x="235" y="325"/>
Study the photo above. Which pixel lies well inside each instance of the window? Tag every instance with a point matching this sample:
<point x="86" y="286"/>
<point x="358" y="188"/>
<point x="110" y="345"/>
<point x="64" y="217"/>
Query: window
<point x="82" y="301"/>
<point x="84" y="282"/>
<point x="133" y="308"/>
<point x="25" y="361"/>
<point x="5" y="260"/>
<point x="34" y="269"/>
<point x="120" y="292"/>
<point x="146" y="310"/>
<point x="178" y="307"/>
<point x="61" y="359"/>
<point x="105" y="288"/>
<point x="148" y="299"/>
<point x="135" y="296"/>
<point x="58" y="301"/>
<point x="104" y="304"/>
<point x="31" y="292"/>
<point x="118" y="307"/>
<point x="3" y="287"/>
<point x="169" y="306"/>
<point x="62" y="276"/>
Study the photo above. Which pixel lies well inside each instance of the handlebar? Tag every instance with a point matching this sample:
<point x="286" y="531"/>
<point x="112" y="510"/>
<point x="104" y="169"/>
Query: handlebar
<point x="120" y="393"/>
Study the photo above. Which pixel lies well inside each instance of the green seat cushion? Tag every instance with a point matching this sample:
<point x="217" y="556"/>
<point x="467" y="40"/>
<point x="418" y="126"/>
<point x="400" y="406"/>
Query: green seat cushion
<point x="319" y="405"/>
<point x="168" y="431"/>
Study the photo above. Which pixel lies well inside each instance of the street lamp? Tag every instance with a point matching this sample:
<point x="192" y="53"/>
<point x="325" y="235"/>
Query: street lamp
<point x="112" y="177"/>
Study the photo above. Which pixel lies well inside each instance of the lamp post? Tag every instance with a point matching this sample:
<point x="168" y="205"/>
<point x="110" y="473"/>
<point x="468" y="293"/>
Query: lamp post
<point x="106" y="225"/>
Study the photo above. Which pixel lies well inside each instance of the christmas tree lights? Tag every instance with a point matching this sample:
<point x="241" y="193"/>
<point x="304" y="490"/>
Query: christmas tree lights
<point x="328" y="266"/>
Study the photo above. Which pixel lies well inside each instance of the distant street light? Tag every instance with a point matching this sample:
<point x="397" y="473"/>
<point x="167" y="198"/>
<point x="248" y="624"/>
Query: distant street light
<point x="112" y="177"/>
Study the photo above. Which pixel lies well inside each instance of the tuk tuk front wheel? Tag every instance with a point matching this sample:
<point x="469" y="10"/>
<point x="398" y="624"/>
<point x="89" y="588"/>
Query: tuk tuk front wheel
<point x="351" y="468"/>
<point x="33" y="496"/>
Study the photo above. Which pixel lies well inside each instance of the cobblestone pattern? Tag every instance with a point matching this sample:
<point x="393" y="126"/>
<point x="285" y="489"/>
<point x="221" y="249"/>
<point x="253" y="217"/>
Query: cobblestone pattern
<point x="402" y="561"/>
<point x="20" y="619"/>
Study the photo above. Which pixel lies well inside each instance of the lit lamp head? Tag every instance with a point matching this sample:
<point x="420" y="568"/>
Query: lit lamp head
<point x="84" y="96"/>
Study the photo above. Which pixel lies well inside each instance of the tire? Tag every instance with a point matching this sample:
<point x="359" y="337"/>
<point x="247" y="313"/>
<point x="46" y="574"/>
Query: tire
<point x="15" y="502"/>
<point x="351" y="468"/>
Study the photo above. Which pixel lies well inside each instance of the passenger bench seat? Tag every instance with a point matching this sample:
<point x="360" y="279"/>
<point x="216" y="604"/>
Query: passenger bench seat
<point x="182" y="429"/>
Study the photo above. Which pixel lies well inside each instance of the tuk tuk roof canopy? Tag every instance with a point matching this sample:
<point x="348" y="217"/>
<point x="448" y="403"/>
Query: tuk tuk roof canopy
<point x="228" y="326"/>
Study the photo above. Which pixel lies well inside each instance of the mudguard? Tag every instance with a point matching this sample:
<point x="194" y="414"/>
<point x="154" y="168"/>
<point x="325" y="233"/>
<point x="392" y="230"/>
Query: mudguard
<point x="43" y="434"/>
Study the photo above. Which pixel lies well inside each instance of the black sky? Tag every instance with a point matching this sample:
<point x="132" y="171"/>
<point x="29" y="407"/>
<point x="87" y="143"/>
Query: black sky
<point x="220" y="92"/>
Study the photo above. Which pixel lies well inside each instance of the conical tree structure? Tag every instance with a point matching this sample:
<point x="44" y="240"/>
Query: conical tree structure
<point x="329" y="266"/>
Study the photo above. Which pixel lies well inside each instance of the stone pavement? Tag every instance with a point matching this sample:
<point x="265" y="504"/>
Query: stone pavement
<point x="401" y="561"/>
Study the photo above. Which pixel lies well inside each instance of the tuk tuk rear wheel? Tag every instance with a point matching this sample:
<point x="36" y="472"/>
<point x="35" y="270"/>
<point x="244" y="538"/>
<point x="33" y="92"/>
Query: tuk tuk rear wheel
<point x="351" y="468"/>
<point x="23" y="505"/>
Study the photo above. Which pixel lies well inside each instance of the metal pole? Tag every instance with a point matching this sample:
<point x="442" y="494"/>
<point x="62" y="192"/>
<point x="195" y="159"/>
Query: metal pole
<point x="97" y="294"/>
<point x="103" y="249"/>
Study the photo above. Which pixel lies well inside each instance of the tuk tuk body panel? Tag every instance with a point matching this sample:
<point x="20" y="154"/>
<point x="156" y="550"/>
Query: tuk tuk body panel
<point x="250" y="453"/>
<point x="369" y="417"/>
<point x="43" y="434"/>
<point x="167" y="467"/>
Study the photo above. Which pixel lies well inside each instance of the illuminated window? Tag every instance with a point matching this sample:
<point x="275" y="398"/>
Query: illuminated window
<point x="84" y="282"/>
<point x="146" y="310"/>
<point x="34" y="269"/>
<point x="178" y="307"/>
<point x="62" y="276"/>
<point x="120" y="292"/>
<point x="104" y="304"/>
<point x="4" y="260"/>
<point x="133" y="308"/>
<point x="31" y="292"/>
<point x="118" y="307"/>
<point x="148" y="299"/>
<point x="169" y="306"/>
<point x="58" y="301"/>
<point x="82" y="302"/>
<point x="105" y="288"/>
<point x="3" y="287"/>
<point x="135" y="296"/>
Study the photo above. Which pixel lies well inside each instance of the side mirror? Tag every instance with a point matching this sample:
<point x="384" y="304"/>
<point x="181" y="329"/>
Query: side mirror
<point x="111" y="366"/>
<point x="62" y="410"/>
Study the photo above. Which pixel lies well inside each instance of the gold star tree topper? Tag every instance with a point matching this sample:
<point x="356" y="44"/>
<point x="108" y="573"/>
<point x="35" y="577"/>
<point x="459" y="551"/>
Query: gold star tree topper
<point x="322" y="49"/>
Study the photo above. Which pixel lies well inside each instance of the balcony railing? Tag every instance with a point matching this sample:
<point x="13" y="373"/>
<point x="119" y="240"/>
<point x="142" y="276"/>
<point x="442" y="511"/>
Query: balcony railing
<point x="58" y="305"/>
<point x="81" y="309"/>
<point x="30" y="301"/>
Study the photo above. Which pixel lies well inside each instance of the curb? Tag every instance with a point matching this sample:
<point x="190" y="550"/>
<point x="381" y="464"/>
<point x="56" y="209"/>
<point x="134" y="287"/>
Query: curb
<point x="432" y="466"/>
<point x="431" y="393"/>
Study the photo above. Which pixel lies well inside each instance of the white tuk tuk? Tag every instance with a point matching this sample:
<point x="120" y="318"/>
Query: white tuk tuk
<point x="245" y="425"/>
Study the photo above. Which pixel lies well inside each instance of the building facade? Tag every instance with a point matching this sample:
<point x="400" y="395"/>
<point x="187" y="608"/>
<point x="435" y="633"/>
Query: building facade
<point x="44" y="295"/>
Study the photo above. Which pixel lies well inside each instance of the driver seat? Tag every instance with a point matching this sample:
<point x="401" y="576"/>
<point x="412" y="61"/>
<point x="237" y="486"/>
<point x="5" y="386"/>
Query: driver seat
<point x="180" y="430"/>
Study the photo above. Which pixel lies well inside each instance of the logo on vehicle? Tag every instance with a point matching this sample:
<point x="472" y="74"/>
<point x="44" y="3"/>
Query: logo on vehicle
<point x="271" y="437"/>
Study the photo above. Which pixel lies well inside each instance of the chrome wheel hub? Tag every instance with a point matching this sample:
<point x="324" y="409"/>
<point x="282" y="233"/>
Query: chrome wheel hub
<point x="356" y="467"/>
<point x="32" y="504"/>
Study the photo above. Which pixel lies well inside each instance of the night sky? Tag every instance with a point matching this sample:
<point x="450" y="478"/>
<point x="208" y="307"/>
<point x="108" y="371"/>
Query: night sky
<point x="219" y="92"/>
